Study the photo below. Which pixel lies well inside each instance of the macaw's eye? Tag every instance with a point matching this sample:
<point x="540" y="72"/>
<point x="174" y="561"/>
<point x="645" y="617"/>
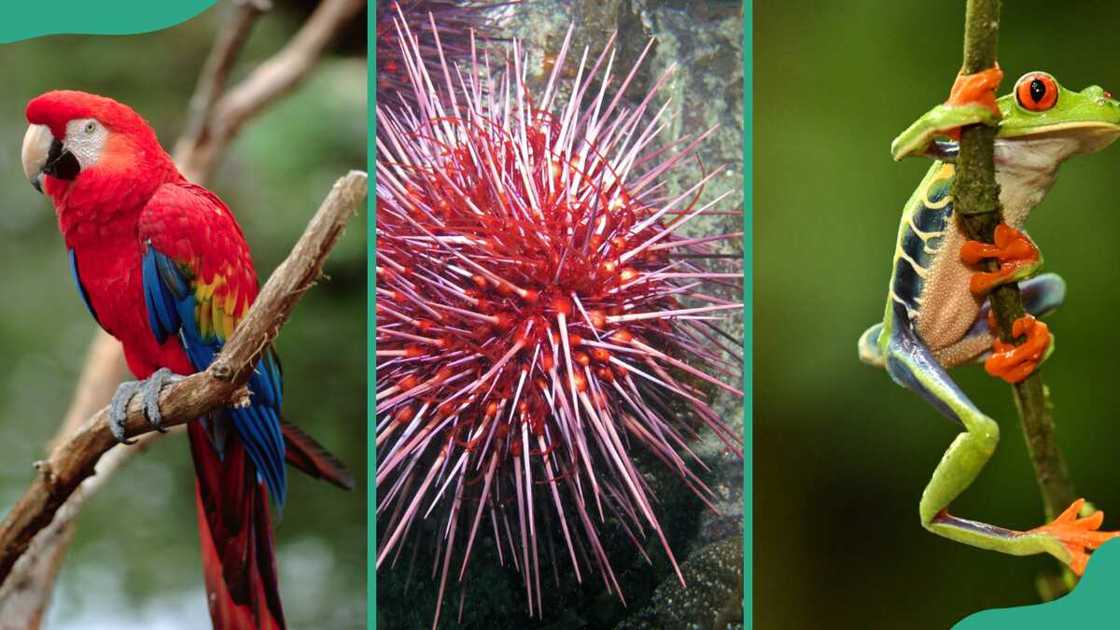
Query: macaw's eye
<point x="91" y="127"/>
<point x="1036" y="92"/>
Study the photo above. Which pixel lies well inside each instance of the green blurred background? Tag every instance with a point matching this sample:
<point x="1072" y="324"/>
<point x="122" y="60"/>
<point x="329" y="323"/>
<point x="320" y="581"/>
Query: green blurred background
<point x="841" y="453"/>
<point x="134" y="563"/>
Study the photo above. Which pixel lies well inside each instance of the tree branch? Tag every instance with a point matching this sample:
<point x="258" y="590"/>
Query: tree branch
<point x="269" y="81"/>
<point x="24" y="596"/>
<point x="220" y="385"/>
<point x="23" y="599"/>
<point x="231" y="37"/>
<point x="976" y="198"/>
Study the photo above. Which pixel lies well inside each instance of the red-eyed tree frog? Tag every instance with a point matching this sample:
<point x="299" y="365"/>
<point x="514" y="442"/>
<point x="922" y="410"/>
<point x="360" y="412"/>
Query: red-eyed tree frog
<point x="937" y="310"/>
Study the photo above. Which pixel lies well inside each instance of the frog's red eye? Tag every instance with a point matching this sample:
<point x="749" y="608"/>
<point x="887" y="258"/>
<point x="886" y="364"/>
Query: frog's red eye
<point x="1036" y="91"/>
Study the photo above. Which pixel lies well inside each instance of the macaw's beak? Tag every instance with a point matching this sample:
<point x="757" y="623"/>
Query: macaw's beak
<point x="42" y="154"/>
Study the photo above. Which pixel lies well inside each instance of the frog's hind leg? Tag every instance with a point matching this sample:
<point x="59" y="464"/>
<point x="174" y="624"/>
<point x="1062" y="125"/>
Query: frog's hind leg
<point x="1042" y="295"/>
<point x="912" y="365"/>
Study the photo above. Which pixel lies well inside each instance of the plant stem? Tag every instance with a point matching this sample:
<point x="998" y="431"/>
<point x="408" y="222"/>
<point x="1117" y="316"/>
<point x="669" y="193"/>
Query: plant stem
<point x="976" y="199"/>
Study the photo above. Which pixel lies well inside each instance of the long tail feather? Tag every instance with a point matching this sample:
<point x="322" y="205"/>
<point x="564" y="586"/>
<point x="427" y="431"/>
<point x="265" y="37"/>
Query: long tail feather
<point x="236" y="533"/>
<point x="311" y="458"/>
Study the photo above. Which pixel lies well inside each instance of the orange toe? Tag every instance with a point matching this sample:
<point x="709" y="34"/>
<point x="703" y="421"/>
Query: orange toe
<point x="1079" y="535"/>
<point x="977" y="88"/>
<point x="1011" y="248"/>
<point x="1014" y="363"/>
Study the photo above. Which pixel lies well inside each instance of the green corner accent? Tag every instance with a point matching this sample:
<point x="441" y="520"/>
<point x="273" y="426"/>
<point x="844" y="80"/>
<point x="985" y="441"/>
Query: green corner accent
<point x="748" y="315"/>
<point x="23" y="20"/>
<point x="371" y="328"/>
<point x="1093" y="600"/>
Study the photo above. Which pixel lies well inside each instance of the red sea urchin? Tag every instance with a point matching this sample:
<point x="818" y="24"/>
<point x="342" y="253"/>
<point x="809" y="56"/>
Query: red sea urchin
<point x="538" y="317"/>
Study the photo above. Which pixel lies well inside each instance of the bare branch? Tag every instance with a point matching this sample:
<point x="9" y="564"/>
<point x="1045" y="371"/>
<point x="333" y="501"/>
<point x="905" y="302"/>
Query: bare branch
<point x="23" y="600"/>
<point x="221" y="385"/>
<point x="212" y="79"/>
<point x="24" y="596"/>
<point x="102" y="372"/>
<point x="269" y="81"/>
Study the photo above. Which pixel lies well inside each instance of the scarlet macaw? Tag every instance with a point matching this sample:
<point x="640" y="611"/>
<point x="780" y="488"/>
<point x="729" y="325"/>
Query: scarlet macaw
<point x="163" y="266"/>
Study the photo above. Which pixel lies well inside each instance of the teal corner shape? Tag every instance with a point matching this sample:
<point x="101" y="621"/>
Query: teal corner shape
<point x="24" y="20"/>
<point x="1093" y="601"/>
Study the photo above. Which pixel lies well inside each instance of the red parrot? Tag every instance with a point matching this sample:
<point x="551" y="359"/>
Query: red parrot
<point x="163" y="266"/>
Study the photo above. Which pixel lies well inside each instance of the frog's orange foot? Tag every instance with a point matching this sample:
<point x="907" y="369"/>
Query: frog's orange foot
<point x="1013" y="363"/>
<point x="1015" y="252"/>
<point x="1080" y="536"/>
<point x="979" y="89"/>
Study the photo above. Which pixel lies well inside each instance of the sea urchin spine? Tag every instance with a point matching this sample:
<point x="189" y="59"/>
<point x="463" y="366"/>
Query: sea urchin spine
<point x="538" y="316"/>
<point x="459" y="22"/>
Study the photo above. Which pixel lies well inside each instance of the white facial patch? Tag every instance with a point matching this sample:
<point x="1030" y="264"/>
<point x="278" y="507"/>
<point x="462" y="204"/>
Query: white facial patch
<point x="85" y="138"/>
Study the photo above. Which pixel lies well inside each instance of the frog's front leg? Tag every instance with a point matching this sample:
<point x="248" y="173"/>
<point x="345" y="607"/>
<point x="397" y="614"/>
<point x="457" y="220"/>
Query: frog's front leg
<point x="1068" y="538"/>
<point x="971" y="101"/>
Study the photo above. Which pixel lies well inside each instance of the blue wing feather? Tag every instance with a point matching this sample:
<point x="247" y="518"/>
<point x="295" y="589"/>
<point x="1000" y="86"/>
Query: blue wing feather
<point x="160" y="298"/>
<point x="172" y="308"/>
<point x="81" y="288"/>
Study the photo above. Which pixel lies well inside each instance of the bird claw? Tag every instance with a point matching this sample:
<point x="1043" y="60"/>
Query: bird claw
<point x="118" y="409"/>
<point x="149" y="389"/>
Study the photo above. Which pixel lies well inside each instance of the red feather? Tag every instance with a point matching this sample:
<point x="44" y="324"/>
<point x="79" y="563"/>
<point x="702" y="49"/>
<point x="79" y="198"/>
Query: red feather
<point x="236" y="537"/>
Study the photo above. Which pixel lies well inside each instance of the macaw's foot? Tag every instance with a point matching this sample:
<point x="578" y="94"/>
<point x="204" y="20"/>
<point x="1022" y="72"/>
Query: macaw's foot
<point x="1018" y="259"/>
<point x="1079" y="536"/>
<point x="1013" y="363"/>
<point x="977" y="89"/>
<point x="149" y="388"/>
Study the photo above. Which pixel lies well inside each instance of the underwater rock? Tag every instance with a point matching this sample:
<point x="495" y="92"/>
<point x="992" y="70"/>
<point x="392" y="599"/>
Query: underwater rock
<point x="713" y="599"/>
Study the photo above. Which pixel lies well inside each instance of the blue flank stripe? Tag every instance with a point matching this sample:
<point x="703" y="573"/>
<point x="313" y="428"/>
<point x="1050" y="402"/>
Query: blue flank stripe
<point x="907" y="284"/>
<point x="171" y="304"/>
<point x="914" y="247"/>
